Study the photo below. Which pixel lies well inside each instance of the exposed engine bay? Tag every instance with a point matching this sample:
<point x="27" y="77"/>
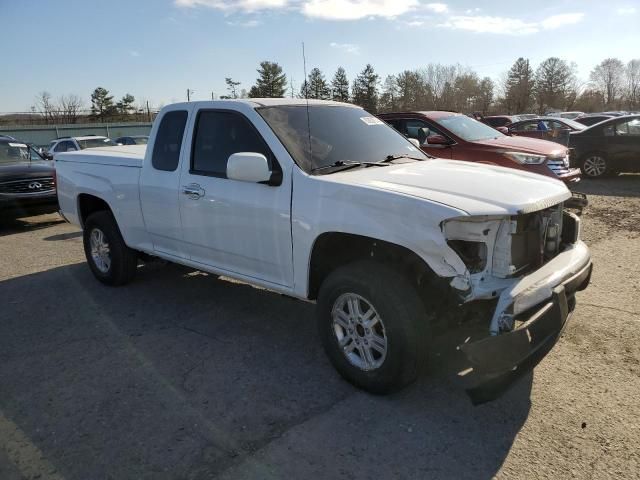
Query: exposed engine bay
<point x="499" y="251"/>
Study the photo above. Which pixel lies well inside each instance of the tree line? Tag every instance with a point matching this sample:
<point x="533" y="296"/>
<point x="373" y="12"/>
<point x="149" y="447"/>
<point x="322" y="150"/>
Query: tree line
<point x="551" y="85"/>
<point x="71" y="108"/>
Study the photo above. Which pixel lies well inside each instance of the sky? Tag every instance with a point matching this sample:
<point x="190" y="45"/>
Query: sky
<point x="157" y="49"/>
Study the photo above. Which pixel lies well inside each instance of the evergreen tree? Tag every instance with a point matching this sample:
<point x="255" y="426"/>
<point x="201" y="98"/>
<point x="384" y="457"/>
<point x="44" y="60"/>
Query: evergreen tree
<point x="101" y="102"/>
<point x="340" y="86"/>
<point x="271" y="82"/>
<point x="316" y="86"/>
<point x="519" y="86"/>
<point x="232" y="87"/>
<point x="365" y="89"/>
<point x="554" y="84"/>
<point x="125" y="105"/>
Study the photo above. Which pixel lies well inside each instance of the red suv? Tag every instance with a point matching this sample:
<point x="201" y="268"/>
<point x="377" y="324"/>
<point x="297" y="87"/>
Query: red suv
<point x="459" y="137"/>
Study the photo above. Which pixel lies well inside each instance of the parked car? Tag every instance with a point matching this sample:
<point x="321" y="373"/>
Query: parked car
<point x="608" y="147"/>
<point x="323" y="201"/>
<point x="496" y="121"/>
<point x="71" y="144"/>
<point x="527" y="116"/>
<point x="546" y="128"/>
<point x="132" y="140"/>
<point x="567" y="115"/>
<point x="455" y="136"/>
<point x="592" y="118"/>
<point x="27" y="181"/>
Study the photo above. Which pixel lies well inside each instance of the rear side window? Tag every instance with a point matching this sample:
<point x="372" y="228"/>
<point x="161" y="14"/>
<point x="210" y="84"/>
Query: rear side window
<point x="219" y="135"/>
<point x="166" y="150"/>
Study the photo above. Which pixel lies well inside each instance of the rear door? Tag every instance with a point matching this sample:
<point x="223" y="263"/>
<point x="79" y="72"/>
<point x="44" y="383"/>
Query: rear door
<point x="160" y="184"/>
<point x="234" y="226"/>
<point x="624" y="145"/>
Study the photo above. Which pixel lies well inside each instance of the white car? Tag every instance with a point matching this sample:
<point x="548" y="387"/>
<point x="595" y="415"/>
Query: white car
<point x="324" y="202"/>
<point x="71" y="144"/>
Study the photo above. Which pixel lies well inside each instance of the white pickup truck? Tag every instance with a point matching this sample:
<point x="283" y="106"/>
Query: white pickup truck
<point x="324" y="202"/>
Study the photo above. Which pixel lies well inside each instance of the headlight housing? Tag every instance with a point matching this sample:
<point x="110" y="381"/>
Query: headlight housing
<point x="525" y="158"/>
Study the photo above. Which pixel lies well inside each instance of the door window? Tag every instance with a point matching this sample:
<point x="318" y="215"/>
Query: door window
<point x="65" y="146"/>
<point x="166" y="150"/>
<point x="629" y="128"/>
<point x="420" y="130"/>
<point x="220" y="134"/>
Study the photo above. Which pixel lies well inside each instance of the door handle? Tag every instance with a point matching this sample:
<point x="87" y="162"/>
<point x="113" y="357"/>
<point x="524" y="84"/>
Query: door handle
<point x="193" y="191"/>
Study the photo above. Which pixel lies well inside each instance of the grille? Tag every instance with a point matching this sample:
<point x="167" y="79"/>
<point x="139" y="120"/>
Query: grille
<point x="559" y="166"/>
<point x="31" y="185"/>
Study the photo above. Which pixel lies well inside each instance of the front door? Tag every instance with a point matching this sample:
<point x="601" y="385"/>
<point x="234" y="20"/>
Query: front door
<point x="159" y="184"/>
<point x="238" y="227"/>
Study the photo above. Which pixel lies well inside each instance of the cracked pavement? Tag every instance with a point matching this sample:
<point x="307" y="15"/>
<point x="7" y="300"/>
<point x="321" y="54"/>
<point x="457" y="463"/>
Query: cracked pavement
<point x="183" y="375"/>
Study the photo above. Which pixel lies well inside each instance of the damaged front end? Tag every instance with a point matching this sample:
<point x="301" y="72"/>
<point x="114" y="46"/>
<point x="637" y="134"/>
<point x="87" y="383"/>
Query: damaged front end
<point x="532" y="263"/>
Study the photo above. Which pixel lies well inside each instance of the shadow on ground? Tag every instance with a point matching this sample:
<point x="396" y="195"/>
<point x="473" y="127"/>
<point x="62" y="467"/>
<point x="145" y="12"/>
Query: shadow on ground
<point x="10" y="225"/>
<point x="181" y="375"/>
<point x="626" y="185"/>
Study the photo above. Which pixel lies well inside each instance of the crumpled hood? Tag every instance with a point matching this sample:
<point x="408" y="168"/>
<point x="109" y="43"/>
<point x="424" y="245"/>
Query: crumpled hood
<point x="475" y="188"/>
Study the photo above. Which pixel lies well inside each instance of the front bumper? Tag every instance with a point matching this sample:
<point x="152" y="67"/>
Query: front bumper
<point x="28" y="204"/>
<point x="542" y="301"/>
<point x="572" y="176"/>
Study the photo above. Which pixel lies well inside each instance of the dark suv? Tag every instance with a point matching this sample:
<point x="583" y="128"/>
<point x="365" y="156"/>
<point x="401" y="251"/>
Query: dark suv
<point x="27" y="181"/>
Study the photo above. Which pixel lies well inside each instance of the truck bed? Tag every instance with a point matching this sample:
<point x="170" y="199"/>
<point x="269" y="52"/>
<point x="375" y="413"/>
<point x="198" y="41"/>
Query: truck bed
<point x="123" y="156"/>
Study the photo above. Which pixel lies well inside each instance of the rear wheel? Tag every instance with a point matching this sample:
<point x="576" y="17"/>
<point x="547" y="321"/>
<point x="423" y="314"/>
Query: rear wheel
<point x="110" y="260"/>
<point x="372" y="323"/>
<point x="594" y="165"/>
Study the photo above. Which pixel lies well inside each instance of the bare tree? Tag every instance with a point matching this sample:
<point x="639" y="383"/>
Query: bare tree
<point x="633" y="83"/>
<point x="70" y="107"/>
<point x="46" y="106"/>
<point x="608" y="79"/>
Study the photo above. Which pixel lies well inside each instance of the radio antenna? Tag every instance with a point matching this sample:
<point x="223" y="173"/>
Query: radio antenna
<point x="306" y="96"/>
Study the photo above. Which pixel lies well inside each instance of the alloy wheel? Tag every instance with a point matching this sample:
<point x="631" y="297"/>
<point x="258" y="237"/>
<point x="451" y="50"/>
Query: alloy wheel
<point x="595" y="166"/>
<point x="359" y="331"/>
<point x="100" y="250"/>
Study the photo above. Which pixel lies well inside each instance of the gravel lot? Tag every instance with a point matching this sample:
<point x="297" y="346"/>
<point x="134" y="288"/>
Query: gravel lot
<point x="182" y="375"/>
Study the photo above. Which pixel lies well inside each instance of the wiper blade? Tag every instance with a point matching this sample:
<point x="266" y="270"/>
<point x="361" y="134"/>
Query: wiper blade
<point x="391" y="158"/>
<point x="347" y="164"/>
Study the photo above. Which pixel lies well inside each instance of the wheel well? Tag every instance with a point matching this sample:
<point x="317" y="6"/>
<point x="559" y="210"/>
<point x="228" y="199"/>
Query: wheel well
<point x="334" y="249"/>
<point x="88" y="204"/>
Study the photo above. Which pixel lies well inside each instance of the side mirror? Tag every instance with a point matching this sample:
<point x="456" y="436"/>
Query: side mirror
<point x="248" y="167"/>
<point x="504" y="130"/>
<point x="437" y="140"/>
<point x="47" y="156"/>
<point x="414" y="142"/>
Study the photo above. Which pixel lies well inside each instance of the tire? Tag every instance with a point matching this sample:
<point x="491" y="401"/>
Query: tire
<point x="594" y="165"/>
<point x="110" y="260"/>
<point x="402" y="323"/>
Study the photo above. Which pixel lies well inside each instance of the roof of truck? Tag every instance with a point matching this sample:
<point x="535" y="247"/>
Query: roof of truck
<point x="272" y="102"/>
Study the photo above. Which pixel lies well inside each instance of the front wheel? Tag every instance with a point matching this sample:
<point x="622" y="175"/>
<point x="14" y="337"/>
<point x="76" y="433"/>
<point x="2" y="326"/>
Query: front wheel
<point x="594" y="165"/>
<point x="110" y="260"/>
<point x="372" y="323"/>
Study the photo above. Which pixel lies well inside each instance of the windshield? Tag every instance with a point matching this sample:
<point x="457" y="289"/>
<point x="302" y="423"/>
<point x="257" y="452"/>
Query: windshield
<point x="575" y="125"/>
<point x="16" y="152"/>
<point x="338" y="134"/>
<point x="95" y="142"/>
<point x="468" y="129"/>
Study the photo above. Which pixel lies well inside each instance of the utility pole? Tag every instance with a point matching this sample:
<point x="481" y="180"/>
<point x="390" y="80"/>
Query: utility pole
<point x="189" y="93"/>
<point x="148" y="111"/>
